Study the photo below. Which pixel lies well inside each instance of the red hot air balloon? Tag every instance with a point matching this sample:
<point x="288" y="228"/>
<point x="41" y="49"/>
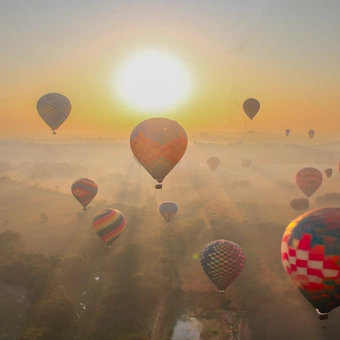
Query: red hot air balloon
<point x="54" y="108"/>
<point x="213" y="163"/>
<point x="329" y="172"/>
<point x="310" y="252"/>
<point x="84" y="191"/>
<point x="158" y="144"/>
<point x="308" y="180"/>
<point x="311" y="133"/>
<point x="251" y="106"/>
<point x="222" y="261"/>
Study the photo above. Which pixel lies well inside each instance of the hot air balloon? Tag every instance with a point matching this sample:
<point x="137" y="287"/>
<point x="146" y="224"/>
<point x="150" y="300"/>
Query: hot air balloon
<point x="168" y="210"/>
<point x="84" y="190"/>
<point x="251" y="107"/>
<point x="54" y="108"/>
<point x="299" y="204"/>
<point x="329" y="172"/>
<point x="213" y="163"/>
<point x="158" y="144"/>
<point x="308" y="180"/>
<point x="109" y="224"/>
<point x="311" y="133"/>
<point x="222" y="261"/>
<point x="246" y="162"/>
<point x="287" y="132"/>
<point x="310" y="251"/>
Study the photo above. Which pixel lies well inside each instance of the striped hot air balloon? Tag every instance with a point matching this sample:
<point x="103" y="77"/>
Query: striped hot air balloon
<point x="308" y="180"/>
<point x="109" y="224"/>
<point x="84" y="190"/>
<point x="222" y="261"/>
<point x="54" y="108"/>
<point x="168" y="210"/>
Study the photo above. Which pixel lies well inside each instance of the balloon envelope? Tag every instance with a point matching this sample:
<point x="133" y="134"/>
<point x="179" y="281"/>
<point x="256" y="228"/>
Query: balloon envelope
<point x="299" y="204"/>
<point x="84" y="190"/>
<point x="287" y="132"/>
<point x="158" y="144"/>
<point x="54" y="108"/>
<point x="329" y="172"/>
<point x="213" y="163"/>
<point x="311" y="133"/>
<point x="168" y="210"/>
<point x="310" y="252"/>
<point x="222" y="261"/>
<point x="109" y="224"/>
<point x="246" y="162"/>
<point x="308" y="180"/>
<point x="251" y="106"/>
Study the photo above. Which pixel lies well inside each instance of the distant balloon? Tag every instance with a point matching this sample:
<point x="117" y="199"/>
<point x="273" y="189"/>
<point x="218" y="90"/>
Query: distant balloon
<point x="329" y="172"/>
<point x="311" y="133"/>
<point x="158" y="144"/>
<point x="213" y="163"/>
<point x="246" y="162"/>
<point x="308" y="180"/>
<point x="299" y="204"/>
<point x="109" y="224"/>
<point x="84" y="190"/>
<point x="168" y="210"/>
<point x="222" y="261"/>
<point x="310" y="252"/>
<point x="54" y="108"/>
<point x="287" y="132"/>
<point x="251" y="106"/>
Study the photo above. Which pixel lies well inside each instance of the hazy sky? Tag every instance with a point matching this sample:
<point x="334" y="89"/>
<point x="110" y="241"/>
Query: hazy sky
<point x="284" y="53"/>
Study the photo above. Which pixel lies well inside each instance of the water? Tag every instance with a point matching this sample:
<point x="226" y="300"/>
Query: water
<point x="187" y="329"/>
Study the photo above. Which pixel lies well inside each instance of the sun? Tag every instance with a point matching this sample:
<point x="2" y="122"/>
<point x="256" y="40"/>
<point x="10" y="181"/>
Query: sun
<point x="153" y="81"/>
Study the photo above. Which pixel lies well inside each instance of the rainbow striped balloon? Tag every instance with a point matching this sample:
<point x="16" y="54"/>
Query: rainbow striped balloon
<point x="109" y="224"/>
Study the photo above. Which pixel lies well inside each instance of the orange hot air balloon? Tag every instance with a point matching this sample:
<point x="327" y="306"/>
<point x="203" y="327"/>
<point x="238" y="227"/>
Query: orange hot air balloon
<point x="158" y="144"/>
<point x="308" y="180"/>
<point x="246" y="162"/>
<point x="251" y="107"/>
<point x="213" y="163"/>
<point x="311" y="133"/>
<point x="299" y="204"/>
<point x="329" y="172"/>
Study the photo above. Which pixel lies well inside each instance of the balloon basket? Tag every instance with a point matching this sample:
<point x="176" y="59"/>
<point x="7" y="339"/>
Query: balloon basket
<point x="54" y="133"/>
<point x="158" y="186"/>
<point x="84" y="209"/>
<point x="322" y="316"/>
